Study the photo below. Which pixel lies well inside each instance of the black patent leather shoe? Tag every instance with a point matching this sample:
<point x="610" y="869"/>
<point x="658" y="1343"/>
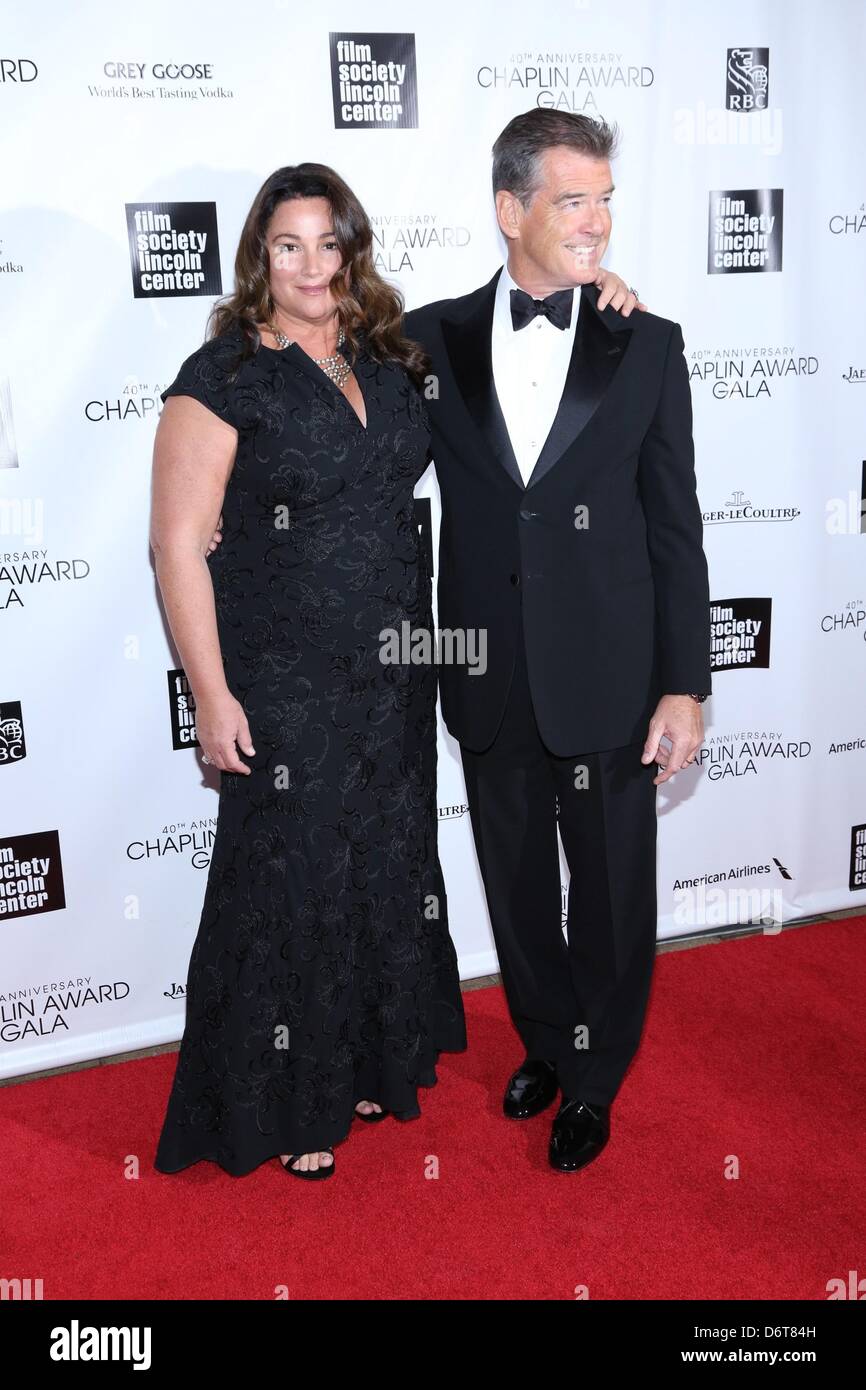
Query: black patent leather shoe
<point x="580" y="1132"/>
<point x="531" y="1089"/>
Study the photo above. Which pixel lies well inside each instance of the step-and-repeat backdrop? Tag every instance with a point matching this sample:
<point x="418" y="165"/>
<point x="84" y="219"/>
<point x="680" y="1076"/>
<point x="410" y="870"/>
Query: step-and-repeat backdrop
<point x="740" y="212"/>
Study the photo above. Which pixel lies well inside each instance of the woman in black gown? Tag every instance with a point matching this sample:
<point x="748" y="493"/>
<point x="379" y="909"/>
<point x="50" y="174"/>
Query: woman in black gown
<point x="323" y="982"/>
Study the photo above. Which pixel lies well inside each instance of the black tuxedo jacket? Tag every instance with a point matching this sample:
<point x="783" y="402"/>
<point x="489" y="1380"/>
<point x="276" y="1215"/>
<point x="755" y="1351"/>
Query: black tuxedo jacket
<point x="615" y="607"/>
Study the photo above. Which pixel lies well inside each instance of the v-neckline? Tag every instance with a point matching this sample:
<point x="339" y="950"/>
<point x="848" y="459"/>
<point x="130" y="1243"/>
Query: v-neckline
<point x="333" y="385"/>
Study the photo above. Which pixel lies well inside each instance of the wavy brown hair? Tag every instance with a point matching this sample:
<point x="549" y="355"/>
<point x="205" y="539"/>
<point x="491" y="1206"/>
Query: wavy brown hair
<point x="365" y="302"/>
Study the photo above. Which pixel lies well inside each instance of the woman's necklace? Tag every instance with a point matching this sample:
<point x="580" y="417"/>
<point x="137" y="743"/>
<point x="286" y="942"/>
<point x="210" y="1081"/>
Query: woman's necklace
<point x="334" y="366"/>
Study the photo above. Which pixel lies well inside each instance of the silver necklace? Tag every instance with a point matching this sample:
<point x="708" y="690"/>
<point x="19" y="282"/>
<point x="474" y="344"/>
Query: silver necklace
<point x="334" y="365"/>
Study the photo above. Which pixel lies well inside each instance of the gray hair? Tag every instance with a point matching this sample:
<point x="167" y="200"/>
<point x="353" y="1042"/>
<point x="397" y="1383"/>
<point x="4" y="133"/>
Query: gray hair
<point x="518" y="150"/>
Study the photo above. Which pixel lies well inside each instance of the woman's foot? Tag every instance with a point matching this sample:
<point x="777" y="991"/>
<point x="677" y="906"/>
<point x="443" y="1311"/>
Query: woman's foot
<point x="308" y="1163"/>
<point x="370" y="1111"/>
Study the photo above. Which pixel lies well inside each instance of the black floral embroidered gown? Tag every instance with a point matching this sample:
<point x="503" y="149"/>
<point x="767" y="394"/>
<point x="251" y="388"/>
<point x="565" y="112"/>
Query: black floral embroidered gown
<point x="322" y="972"/>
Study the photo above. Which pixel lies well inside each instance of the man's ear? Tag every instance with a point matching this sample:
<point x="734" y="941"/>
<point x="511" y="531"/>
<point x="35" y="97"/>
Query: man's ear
<point x="509" y="214"/>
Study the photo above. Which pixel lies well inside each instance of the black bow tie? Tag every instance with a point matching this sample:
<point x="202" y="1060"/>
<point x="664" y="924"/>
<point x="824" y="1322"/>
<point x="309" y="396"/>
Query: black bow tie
<point x="556" y="307"/>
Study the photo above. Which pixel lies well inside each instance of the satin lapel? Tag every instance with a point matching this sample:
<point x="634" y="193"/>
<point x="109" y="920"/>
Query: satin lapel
<point x="468" y="343"/>
<point x="596" y="355"/>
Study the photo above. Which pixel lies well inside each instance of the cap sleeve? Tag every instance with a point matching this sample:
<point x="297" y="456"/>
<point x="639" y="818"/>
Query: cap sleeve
<point x="206" y="376"/>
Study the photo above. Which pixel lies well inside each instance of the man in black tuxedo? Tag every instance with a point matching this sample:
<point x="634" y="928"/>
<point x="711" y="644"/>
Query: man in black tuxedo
<point x="571" y="532"/>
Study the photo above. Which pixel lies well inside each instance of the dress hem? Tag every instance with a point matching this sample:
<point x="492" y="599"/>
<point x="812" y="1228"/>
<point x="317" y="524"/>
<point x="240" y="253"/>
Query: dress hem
<point x="241" y="1172"/>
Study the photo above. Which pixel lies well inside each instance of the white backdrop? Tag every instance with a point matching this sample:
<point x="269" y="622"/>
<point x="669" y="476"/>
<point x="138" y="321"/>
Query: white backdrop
<point x="104" y="825"/>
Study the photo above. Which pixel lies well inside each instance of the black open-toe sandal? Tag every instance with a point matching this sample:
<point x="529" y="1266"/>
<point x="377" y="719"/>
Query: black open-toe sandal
<point x="373" y="1115"/>
<point x="323" y="1171"/>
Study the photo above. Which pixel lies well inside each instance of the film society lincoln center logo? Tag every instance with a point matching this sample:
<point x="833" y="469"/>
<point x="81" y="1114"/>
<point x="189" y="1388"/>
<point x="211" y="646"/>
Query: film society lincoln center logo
<point x="31" y="874"/>
<point x="374" y="82"/>
<point x="173" y="249"/>
<point x="745" y="231"/>
<point x="740" y="633"/>
<point x="857" y="878"/>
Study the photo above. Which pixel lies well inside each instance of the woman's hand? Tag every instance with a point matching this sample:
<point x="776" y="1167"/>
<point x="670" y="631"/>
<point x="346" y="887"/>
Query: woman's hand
<point x="220" y="723"/>
<point x="616" y="293"/>
<point x="216" y="537"/>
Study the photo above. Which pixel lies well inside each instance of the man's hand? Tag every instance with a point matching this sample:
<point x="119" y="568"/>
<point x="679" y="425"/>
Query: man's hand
<point x="680" y="720"/>
<point x="216" y="537"/>
<point x="617" y="294"/>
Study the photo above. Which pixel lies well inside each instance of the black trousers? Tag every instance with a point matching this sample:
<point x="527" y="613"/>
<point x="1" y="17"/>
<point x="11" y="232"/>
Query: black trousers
<point x="580" y="1003"/>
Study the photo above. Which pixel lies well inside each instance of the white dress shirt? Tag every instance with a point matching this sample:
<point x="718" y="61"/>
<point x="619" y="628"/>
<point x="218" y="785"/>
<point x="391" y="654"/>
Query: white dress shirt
<point x="529" y="369"/>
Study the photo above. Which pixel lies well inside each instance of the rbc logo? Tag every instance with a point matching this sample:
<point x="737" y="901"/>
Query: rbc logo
<point x="12" y="748"/>
<point x="747" y="79"/>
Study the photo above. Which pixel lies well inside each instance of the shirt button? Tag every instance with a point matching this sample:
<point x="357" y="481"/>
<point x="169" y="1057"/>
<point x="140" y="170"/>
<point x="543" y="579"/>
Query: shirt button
<point x="515" y="579"/>
<point x="535" y="383"/>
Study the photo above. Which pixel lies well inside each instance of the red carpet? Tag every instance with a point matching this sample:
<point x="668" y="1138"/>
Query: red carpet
<point x="753" y="1048"/>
